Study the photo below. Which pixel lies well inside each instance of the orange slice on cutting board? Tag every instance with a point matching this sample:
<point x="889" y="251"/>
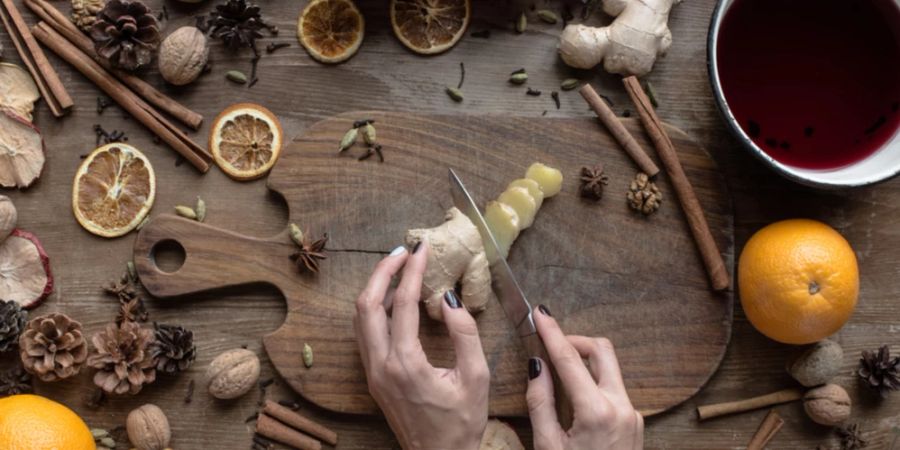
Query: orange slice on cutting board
<point x="113" y="191"/>
<point x="331" y="30"/>
<point x="428" y="27"/>
<point x="245" y="141"/>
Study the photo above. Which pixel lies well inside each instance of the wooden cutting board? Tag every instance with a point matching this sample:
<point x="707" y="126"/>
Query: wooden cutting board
<point x="601" y="269"/>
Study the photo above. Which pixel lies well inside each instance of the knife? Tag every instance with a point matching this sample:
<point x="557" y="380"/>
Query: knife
<point x="510" y="295"/>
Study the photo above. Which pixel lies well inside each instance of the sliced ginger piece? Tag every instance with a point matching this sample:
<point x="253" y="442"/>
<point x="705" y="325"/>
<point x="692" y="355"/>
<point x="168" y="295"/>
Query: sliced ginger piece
<point x="533" y="188"/>
<point x="520" y="200"/>
<point x="503" y="221"/>
<point x="549" y="179"/>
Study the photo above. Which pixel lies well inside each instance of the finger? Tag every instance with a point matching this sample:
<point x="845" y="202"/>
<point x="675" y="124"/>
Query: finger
<point x="541" y="406"/>
<point x="405" y="312"/>
<point x="602" y="361"/>
<point x="470" y="360"/>
<point x="371" y="318"/>
<point x="574" y="375"/>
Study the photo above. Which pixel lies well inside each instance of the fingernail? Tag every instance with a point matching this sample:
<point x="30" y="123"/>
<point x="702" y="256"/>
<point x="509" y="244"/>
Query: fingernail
<point x="543" y="309"/>
<point x="398" y="251"/>
<point x="452" y="300"/>
<point x="417" y="247"/>
<point x="534" y="368"/>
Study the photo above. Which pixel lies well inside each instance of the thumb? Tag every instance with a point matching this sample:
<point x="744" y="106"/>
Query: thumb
<point x="470" y="360"/>
<point x="542" y="406"/>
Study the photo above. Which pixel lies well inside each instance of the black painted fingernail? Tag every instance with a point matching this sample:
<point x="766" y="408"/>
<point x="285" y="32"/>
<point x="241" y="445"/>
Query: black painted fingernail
<point x="534" y="368"/>
<point x="417" y="247"/>
<point x="452" y="300"/>
<point x="543" y="309"/>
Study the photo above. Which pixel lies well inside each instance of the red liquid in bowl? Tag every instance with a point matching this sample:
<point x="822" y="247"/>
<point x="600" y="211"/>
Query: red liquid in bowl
<point x="814" y="83"/>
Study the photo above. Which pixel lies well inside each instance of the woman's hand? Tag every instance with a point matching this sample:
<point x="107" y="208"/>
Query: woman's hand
<point x="604" y="417"/>
<point x="426" y="407"/>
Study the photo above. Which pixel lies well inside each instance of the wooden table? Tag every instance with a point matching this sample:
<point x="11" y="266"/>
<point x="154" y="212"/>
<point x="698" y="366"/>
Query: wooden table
<point x="384" y="75"/>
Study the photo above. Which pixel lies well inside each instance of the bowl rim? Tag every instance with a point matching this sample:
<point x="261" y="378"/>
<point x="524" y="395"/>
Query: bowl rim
<point x="784" y="170"/>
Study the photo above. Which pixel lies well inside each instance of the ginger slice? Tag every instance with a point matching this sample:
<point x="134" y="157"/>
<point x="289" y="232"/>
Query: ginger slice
<point x="533" y="188"/>
<point x="503" y="221"/>
<point x="547" y="177"/>
<point x="521" y="201"/>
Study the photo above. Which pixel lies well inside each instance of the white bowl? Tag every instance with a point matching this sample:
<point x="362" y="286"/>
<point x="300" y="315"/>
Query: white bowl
<point x="881" y="165"/>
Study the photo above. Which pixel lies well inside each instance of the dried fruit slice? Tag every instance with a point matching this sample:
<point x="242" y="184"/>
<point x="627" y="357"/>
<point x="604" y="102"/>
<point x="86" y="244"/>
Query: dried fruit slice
<point x="245" y="141"/>
<point x="8" y="217"/>
<point x="21" y="151"/>
<point x="113" y="191"/>
<point x="430" y="26"/>
<point x="25" y="276"/>
<point x="331" y="30"/>
<point x="17" y="90"/>
<point x="500" y="436"/>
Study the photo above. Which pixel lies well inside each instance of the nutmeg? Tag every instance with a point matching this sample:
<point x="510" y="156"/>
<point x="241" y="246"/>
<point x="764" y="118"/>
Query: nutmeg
<point x="8" y="217"/>
<point x="148" y="428"/>
<point x="232" y="374"/>
<point x="818" y="364"/>
<point x="183" y="55"/>
<point x="827" y="405"/>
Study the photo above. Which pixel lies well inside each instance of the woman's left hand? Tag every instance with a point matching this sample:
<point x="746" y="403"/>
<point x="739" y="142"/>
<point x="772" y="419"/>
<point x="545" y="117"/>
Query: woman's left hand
<point x="425" y="406"/>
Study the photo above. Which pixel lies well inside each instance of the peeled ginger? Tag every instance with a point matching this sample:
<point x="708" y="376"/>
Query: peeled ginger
<point x="503" y="221"/>
<point x="548" y="178"/>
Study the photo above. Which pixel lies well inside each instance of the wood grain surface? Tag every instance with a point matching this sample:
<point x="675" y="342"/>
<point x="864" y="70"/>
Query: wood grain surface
<point x="589" y="262"/>
<point x="385" y="76"/>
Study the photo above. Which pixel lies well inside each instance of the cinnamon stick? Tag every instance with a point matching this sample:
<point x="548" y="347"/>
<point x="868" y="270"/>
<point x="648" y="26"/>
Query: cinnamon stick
<point x="123" y="96"/>
<point x="299" y="422"/>
<point x="62" y="25"/>
<point x="720" y="409"/>
<point x="618" y="130"/>
<point x="45" y="77"/>
<point x="709" y="251"/>
<point x="277" y="431"/>
<point x="766" y="431"/>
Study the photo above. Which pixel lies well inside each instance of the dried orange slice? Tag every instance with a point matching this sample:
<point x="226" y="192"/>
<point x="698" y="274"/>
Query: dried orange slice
<point x="113" y="191"/>
<point x="430" y="26"/>
<point x="245" y="141"/>
<point x="331" y="30"/>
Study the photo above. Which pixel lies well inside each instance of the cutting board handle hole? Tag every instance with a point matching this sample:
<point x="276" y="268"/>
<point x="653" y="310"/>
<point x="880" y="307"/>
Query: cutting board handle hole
<point x="168" y="255"/>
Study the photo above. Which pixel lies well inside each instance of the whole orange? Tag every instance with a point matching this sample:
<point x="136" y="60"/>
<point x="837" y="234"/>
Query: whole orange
<point x="798" y="281"/>
<point x="30" y="422"/>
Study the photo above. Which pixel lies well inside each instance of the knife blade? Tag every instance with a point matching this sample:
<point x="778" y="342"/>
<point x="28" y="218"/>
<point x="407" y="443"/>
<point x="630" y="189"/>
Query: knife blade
<point x="510" y="295"/>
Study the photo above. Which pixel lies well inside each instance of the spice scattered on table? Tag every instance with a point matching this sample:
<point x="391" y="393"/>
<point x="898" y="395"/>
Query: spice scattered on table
<point x="569" y="83"/>
<point x="455" y="94"/>
<point x="275" y="46"/>
<point x="236" y="77"/>
<point x="309" y="252"/>
<point x="521" y="23"/>
<point x="481" y="34"/>
<point x="307" y="355"/>
<point x="533" y="92"/>
<point x="103" y="439"/>
<point x="518" y="77"/>
<point x="593" y="180"/>
<point x="643" y="195"/>
<point x="879" y="371"/>
<point x="555" y="96"/>
<point x="15" y="380"/>
<point x="547" y="16"/>
<point x="851" y="436"/>
<point x="237" y="24"/>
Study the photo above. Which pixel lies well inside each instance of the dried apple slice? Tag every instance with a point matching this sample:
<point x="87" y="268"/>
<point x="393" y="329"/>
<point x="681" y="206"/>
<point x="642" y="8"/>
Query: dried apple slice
<point x="25" y="276"/>
<point x="21" y="151"/>
<point x="8" y="217"/>
<point x="17" y="90"/>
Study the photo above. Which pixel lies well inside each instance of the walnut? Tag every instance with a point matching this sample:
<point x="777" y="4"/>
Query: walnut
<point x="827" y="405"/>
<point x="148" y="428"/>
<point x="183" y="55"/>
<point x="643" y="194"/>
<point x="84" y="12"/>
<point x="232" y="374"/>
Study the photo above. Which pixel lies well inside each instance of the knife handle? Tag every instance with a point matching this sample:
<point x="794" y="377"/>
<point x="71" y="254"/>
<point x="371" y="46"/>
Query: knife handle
<point x="564" y="412"/>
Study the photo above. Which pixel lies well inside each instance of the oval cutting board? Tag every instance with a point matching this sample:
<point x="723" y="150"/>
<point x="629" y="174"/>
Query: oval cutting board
<point x="601" y="269"/>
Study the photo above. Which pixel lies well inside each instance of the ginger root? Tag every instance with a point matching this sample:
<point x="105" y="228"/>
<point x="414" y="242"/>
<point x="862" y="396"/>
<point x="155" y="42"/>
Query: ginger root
<point x="457" y="253"/>
<point x="629" y="45"/>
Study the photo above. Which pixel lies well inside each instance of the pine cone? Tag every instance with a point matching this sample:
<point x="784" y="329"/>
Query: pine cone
<point x="122" y="358"/>
<point x="52" y="347"/>
<point x="12" y="322"/>
<point x="14" y="381"/>
<point x="126" y="34"/>
<point x="879" y="371"/>
<point x="174" y="349"/>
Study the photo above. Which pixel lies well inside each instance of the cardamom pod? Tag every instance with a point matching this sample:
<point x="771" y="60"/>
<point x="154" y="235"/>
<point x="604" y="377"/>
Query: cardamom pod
<point x="307" y="355"/>
<point x="348" y="140"/>
<point x="368" y="132"/>
<point x="201" y="209"/>
<point x="651" y="94"/>
<point x="296" y="234"/>
<point x="569" y="83"/>
<point x="518" y="78"/>
<point x="522" y="23"/>
<point x="547" y="16"/>
<point x="455" y="94"/>
<point x="236" y="76"/>
<point x="98" y="433"/>
<point x="186" y="212"/>
<point x="108" y="442"/>
<point x="132" y="272"/>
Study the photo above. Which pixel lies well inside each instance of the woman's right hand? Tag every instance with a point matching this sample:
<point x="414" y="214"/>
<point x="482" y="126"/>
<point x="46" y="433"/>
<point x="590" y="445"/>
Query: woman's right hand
<point x="604" y="417"/>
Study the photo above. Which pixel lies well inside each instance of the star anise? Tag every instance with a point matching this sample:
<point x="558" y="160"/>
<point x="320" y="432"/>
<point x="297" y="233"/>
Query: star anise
<point x="307" y="258"/>
<point x="14" y="381"/>
<point x="879" y="371"/>
<point x="592" y="181"/>
<point x="851" y="437"/>
<point x="237" y="24"/>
